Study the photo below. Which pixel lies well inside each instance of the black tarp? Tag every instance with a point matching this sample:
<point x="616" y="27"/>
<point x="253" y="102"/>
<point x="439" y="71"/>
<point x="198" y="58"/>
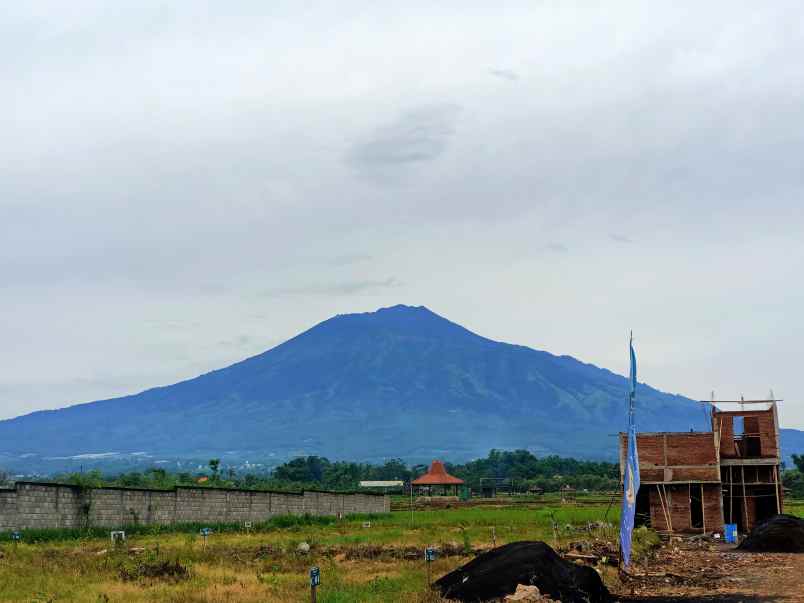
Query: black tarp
<point x="496" y="573"/>
<point x="779" y="534"/>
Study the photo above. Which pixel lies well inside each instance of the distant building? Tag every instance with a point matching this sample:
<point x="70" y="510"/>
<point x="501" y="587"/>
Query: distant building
<point x="697" y="481"/>
<point x="438" y="480"/>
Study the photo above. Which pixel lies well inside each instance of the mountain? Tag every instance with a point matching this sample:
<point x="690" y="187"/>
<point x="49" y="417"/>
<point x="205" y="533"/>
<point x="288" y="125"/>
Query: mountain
<point x="398" y="382"/>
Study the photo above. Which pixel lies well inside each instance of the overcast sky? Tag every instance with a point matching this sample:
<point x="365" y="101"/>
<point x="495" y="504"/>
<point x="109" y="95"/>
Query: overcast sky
<point x="184" y="184"/>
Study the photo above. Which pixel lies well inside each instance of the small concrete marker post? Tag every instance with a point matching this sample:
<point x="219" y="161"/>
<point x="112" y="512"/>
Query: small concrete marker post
<point x="205" y="532"/>
<point x="118" y="537"/>
<point x="16" y="537"/>
<point x="315" y="580"/>
<point x="430" y="555"/>
<point x="493" y="537"/>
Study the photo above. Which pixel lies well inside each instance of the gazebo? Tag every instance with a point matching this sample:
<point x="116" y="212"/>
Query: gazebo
<point x="438" y="476"/>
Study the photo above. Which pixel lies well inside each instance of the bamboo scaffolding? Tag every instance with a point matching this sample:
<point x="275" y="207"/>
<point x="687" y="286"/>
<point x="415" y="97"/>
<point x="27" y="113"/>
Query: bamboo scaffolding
<point x="664" y="510"/>
<point x="665" y="506"/>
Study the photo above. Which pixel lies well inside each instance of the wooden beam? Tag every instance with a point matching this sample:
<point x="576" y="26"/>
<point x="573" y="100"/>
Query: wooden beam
<point x="703" y="509"/>
<point x="745" y="500"/>
<point x="776" y="490"/>
<point x="665" y="510"/>
<point x="760" y="461"/>
<point x="689" y="504"/>
<point x="681" y="482"/>
<point x="669" y="508"/>
<point x="731" y="497"/>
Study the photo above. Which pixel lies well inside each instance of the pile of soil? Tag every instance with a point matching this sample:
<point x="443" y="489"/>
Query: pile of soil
<point x="497" y="573"/>
<point x="779" y="534"/>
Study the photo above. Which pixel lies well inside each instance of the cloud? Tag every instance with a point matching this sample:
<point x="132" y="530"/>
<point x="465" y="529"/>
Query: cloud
<point x="350" y="258"/>
<point x="337" y="288"/>
<point x="133" y="190"/>
<point x="620" y="238"/>
<point x="505" y="74"/>
<point x="556" y="248"/>
<point x="416" y="136"/>
<point x="240" y="342"/>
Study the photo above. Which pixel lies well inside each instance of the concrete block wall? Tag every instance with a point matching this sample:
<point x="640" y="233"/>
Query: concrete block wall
<point x="8" y="510"/>
<point x="41" y="505"/>
<point x="46" y="506"/>
<point x="287" y="503"/>
<point x="197" y="505"/>
<point x="106" y="508"/>
<point x="322" y="503"/>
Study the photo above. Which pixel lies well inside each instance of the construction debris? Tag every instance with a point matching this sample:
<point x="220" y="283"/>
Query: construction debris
<point x="527" y="593"/>
<point x="779" y="534"/>
<point x="593" y="551"/>
<point x="498" y="572"/>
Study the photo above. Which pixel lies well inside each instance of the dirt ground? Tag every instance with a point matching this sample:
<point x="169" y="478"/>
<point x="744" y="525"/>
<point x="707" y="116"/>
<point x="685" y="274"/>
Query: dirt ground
<point x="706" y="571"/>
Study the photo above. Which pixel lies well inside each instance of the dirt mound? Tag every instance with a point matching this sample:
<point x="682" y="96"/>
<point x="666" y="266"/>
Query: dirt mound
<point x="779" y="534"/>
<point x="498" y="572"/>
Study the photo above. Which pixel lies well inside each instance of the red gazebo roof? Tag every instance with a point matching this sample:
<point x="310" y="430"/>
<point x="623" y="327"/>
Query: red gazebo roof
<point x="437" y="476"/>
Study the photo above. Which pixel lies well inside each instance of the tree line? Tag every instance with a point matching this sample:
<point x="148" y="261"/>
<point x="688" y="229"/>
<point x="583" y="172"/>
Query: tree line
<point x="520" y="466"/>
<point x="794" y="478"/>
<point x="527" y="471"/>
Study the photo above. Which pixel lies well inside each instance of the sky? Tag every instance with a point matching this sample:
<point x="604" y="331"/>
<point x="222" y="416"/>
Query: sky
<point x="185" y="184"/>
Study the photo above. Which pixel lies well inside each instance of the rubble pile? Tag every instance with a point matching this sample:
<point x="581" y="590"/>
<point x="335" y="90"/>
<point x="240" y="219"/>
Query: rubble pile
<point x="592" y="551"/>
<point x="528" y="593"/>
<point x="779" y="534"/>
<point x="498" y="572"/>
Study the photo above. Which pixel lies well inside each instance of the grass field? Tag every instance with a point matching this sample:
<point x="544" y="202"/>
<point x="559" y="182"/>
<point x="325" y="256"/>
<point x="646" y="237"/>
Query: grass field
<point x="357" y="563"/>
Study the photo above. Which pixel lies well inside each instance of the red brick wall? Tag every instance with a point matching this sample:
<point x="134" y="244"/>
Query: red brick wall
<point x="726" y="425"/>
<point x="691" y="449"/>
<point x="767" y="434"/>
<point x="713" y="509"/>
<point x="667" y="457"/>
<point x="678" y="497"/>
<point x="693" y="474"/>
<point x="650" y="449"/>
<point x="677" y="502"/>
<point x="680" y="508"/>
<point x="753" y="421"/>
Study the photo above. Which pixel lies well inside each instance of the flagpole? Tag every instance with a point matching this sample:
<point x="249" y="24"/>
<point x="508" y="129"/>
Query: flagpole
<point x="620" y="564"/>
<point x="631" y="466"/>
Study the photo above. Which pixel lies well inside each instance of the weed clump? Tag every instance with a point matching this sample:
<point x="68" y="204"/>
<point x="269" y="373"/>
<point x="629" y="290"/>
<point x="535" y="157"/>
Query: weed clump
<point x="170" y="571"/>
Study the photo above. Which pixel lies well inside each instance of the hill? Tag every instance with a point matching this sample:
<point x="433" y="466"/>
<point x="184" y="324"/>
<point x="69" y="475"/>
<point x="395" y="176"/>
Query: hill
<point x="398" y="382"/>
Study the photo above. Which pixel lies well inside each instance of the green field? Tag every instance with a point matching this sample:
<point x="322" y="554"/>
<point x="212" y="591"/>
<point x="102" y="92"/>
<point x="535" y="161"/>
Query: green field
<point x="358" y="563"/>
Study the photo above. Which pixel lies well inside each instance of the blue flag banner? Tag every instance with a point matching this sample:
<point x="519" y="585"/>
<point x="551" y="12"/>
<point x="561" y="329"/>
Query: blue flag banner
<point x="631" y="472"/>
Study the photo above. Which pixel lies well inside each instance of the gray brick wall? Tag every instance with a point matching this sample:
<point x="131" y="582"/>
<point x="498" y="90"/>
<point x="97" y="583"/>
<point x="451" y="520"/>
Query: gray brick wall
<point x="36" y="505"/>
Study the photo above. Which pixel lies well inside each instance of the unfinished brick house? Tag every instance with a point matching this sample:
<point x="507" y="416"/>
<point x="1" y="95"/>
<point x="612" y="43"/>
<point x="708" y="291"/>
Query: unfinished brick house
<point x="697" y="481"/>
